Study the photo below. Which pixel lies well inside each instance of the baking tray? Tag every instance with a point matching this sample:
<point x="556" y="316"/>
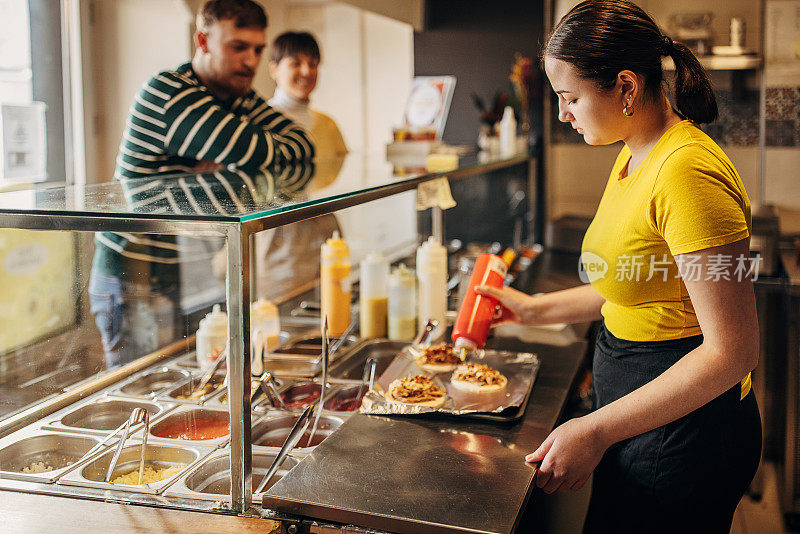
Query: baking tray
<point x="521" y="369"/>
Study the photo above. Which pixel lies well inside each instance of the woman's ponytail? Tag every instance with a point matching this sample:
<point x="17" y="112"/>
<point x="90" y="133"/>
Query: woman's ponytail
<point x="694" y="96"/>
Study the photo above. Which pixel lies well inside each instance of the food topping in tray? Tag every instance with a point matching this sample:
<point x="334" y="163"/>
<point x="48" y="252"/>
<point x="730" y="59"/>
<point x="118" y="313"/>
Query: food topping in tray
<point x="150" y="475"/>
<point x="301" y="395"/>
<point x="49" y="462"/>
<point x="198" y="428"/>
<point x="199" y="392"/>
<point x="478" y="387"/>
<point x="419" y="390"/>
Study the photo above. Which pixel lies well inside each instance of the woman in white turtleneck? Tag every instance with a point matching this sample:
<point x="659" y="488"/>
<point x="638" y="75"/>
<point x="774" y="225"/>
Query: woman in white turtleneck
<point x="294" y="62"/>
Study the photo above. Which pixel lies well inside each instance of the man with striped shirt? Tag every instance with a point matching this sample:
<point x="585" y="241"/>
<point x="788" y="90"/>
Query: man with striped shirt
<point x="202" y="116"/>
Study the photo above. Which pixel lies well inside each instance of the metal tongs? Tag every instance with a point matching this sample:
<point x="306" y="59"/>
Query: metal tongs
<point x="426" y="334"/>
<point x="291" y="440"/>
<point x="368" y="378"/>
<point x="138" y="415"/>
<point x="211" y="371"/>
<point x="268" y="388"/>
<point x="326" y="345"/>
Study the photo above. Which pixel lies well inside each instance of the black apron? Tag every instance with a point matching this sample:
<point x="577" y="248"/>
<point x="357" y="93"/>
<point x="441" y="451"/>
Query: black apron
<point x="686" y="476"/>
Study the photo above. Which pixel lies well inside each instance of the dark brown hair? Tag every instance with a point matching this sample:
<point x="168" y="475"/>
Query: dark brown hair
<point x="290" y="44"/>
<point x="244" y="13"/>
<point x="600" y="38"/>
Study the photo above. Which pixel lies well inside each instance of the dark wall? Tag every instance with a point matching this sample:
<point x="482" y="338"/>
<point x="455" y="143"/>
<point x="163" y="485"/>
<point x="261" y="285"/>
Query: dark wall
<point x="475" y="40"/>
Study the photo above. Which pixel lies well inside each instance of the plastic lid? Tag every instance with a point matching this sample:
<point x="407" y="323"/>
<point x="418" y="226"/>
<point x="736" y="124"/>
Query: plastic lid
<point x="465" y="343"/>
<point x="431" y="255"/>
<point x="402" y="275"/>
<point x="215" y="319"/>
<point x="263" y="308"/>
<point x="335" y="248"/>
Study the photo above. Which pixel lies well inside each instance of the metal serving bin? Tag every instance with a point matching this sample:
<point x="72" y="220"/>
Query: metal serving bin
<point x="269" y="433"/>
<point x="93" y="473"/>
<point x="101" y="415"/>
<point x="351" y="365"/>
<point x="211" y="479"/>
<point x="300" y="356"/>
<point x="151" y="383"/>
<point x="24" y="448"/>
<point x="187" y="416"/>
<point x="186" y="388"/>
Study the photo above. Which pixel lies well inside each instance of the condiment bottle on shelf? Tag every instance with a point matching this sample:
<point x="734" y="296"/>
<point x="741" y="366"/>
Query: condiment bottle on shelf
<point x="335" y="285"/>
<point x="475" y="316"/>
<point x="264" y="318"/>
<point x="402" y="304"/>
<point x="212" y="336"/>
<point x="374" y="295"/>
<point x="432" y="277"/>
<point x="508" y="133"/>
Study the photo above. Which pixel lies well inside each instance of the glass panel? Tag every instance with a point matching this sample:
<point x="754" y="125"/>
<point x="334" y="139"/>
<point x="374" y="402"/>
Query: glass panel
<point x="224" y="195"/>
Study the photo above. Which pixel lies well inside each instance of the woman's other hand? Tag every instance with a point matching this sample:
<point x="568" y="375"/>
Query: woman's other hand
<point x="515" y="306"/>
<point x="568" y="456"/>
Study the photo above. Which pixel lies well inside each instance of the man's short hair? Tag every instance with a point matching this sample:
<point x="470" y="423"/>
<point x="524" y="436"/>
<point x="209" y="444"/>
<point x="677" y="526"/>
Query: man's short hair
<point x="291" y="44"/>
<point x="244" y="13"/>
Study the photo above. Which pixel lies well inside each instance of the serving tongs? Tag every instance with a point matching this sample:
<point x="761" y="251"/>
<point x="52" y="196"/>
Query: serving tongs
<point x="326" y="345"/>
<point x="210" y="373"/>
<point x="291" y="440"/>
<point x="368" y="378"/>
<point x="425" y="335"/>
<point x="138" y="415"/>
<point x="268" y="388"/>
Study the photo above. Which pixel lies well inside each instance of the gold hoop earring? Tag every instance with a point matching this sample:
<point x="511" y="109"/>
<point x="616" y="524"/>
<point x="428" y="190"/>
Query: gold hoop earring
<point x="627" y="110"/>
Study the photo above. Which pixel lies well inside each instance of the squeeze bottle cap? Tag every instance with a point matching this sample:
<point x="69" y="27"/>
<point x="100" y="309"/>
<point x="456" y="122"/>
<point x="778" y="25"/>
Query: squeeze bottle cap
<point x="402" y="275"/>
<point x="465" y="343"/>
<point x="263" y="308"/>
<point x="374" y="275"/>
<point x="216" y="319"/>
<point x="335" y="249"/>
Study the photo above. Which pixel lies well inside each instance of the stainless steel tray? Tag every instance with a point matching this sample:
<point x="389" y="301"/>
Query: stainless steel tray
<point x="171" y="395"/>
<point x="351" y="364"/>
<point x="24" y="448"/>
<point x="151" y="382"/>
<point x="93" y="473"/>
<point x="186" y="415"/>
<point x="269" y="433"/>
<point x="100" y="415"/>
<point x="211" y="479"/>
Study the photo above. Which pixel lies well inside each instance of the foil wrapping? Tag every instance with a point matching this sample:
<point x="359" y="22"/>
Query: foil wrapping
<point x="520" y="368"/>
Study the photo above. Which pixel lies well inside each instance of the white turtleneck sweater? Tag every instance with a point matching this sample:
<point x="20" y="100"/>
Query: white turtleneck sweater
<point x="298" y="111"/>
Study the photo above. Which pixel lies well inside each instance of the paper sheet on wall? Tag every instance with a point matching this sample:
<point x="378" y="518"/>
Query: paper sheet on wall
<point x="782" y="52"/>
<point x="435" y="193"/>
<point x="23" y="156"/>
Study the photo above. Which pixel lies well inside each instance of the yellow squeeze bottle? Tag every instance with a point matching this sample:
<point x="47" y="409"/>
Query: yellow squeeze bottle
<point x="335" y="285"/>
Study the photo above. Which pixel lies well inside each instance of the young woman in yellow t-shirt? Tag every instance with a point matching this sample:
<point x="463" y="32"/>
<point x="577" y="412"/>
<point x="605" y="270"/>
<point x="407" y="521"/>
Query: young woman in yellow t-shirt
<point x="675" y="438"/>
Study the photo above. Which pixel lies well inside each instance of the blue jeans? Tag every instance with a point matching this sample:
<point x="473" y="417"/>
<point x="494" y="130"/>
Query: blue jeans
<point x="133" y="318"/>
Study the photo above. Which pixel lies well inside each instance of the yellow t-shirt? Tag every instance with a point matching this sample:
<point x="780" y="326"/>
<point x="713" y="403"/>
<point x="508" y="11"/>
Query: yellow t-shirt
<point x="684" y="197"/>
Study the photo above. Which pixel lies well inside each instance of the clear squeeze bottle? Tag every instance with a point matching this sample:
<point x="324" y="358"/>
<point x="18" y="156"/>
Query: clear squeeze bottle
<point x="432" y="277"/>
<point x="475" y="316"/>
<point x="374" y="295"/>
<point x="402" y="304"/>
<point x="212" y="336"/>
<point x="335" y="285"/>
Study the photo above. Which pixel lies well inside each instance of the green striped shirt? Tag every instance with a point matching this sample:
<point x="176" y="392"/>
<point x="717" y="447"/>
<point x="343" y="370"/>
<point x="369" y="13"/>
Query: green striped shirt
<point x="175" y="122"/>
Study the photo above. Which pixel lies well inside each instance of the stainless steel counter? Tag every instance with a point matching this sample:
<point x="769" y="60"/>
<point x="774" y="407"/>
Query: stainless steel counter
<point x="417" y="475"/>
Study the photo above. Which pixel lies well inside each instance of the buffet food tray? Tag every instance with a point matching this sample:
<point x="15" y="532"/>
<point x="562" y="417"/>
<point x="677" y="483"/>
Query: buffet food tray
<point x="92" y="473"/>
<point x="101" y="414"/>
<point x="210" y="479"/>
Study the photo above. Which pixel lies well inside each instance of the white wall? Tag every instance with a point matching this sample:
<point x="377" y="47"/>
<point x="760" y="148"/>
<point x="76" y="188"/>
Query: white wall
<point x="132" y="39"/>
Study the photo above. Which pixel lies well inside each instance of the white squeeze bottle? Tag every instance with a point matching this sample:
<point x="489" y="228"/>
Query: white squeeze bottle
<point x="432" y="277"/>
<point x="374" y="295"/>
<point x="402" y="304"/>
<point x="508" y="133"/>
<point x="212" y="336"/>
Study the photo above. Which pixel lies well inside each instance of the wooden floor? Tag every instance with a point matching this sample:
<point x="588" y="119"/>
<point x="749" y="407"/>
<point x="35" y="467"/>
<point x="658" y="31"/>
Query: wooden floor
<point x="764" y="516"/>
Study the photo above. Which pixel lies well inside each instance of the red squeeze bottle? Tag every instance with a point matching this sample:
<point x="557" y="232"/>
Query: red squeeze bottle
<point x="475" y="316"/>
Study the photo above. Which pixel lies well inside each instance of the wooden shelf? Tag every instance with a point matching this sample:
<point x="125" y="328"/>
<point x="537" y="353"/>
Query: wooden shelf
<point x="749" y="62"/>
